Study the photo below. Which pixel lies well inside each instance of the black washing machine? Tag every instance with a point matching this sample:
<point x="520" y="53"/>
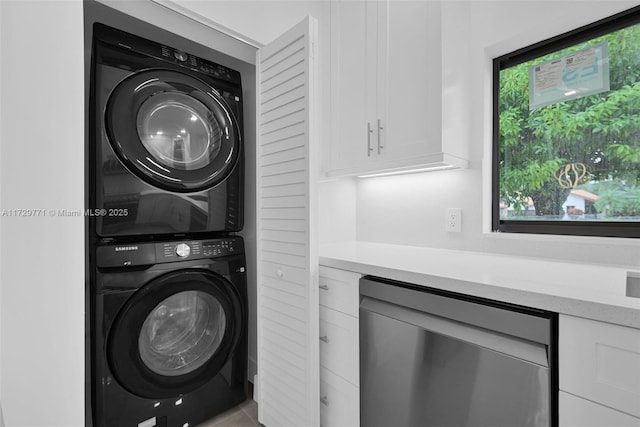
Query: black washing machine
<point x="170" y="332"/>
<point x="165" y="140"/>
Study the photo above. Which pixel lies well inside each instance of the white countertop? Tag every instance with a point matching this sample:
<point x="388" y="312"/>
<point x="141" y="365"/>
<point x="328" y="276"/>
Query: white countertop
<point x="592" y="291"/>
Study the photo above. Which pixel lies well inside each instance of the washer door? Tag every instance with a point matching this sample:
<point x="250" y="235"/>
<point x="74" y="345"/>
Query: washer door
<point x="172" y="130"/>
<point x="175" y="334"/>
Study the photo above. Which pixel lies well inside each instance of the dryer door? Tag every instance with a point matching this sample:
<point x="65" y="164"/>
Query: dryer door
<point x="175" y="333"/>
<point x="172" y="130"/>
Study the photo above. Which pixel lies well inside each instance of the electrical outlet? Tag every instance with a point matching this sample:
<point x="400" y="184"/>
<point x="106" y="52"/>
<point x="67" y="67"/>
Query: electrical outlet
<point x="453" y="220"/>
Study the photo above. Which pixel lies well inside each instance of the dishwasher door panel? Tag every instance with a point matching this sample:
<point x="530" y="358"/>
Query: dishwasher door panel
<point x="413" y="377"/>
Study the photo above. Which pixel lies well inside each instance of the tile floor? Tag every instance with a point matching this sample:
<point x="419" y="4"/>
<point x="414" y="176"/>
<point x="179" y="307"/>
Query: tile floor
<point x="243" y="415"/>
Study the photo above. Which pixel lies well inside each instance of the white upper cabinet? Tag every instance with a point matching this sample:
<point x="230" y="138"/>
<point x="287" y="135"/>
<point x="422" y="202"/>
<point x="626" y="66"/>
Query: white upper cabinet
<point x="397" y="85"/>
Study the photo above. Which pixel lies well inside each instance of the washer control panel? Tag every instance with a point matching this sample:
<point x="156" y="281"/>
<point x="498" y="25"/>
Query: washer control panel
<point x="128" y="255"/>
<point x="198" y="249"/>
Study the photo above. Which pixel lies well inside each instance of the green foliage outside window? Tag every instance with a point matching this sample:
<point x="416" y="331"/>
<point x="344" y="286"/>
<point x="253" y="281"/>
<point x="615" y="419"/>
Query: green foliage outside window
<point x="599" y="133"/>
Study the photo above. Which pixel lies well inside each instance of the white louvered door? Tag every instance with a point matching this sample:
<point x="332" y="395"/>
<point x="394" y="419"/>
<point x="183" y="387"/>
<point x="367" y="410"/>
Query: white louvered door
<point x="288" y="347"/>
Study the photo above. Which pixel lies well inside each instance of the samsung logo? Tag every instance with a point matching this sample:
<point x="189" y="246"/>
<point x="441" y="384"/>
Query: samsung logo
<point x="126" y="248"/>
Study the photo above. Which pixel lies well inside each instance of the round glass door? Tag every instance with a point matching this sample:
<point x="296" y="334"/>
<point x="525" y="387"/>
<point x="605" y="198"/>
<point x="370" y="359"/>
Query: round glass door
<point x="175" y="333"/>
<point x="172" y="130"/>
<point x="182" y="333"/>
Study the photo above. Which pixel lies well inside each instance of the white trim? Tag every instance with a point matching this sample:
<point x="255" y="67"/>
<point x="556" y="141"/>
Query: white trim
<point x="203" y="20"/>
<point x="181" y="22"/>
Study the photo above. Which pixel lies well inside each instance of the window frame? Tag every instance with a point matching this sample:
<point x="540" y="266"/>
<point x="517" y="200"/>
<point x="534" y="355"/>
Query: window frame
<point x="575" y="228"/>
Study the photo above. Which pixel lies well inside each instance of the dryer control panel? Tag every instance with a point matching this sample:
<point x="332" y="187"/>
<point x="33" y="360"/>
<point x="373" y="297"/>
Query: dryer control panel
<point x="129" y="42"/>
<point x="137" y="254"/>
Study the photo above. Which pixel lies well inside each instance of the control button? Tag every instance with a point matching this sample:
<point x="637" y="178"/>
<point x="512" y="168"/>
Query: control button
<point x="183" y="250"/>
<point x="180" y="56"/>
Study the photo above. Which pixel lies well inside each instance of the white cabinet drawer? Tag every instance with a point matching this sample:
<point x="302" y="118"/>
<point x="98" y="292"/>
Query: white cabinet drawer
<point x="339" y="290"/>
<point x="578" y="412"/>
<point x="600" y="362"/>
<point x="339" y="401"/>
<point x="339" y="343"/>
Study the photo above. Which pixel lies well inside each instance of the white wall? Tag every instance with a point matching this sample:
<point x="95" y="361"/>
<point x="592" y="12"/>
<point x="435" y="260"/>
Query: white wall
<point x="42" y="167"/>
<point x="337" y="210"/>
<point x="410" y="209"/>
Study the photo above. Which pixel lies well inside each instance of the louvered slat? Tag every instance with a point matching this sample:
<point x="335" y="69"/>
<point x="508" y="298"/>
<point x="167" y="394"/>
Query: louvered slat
<point x="295" y="201"/>
<point x="290" y="228"/>
<point x="293" y="275"/>
<point x="283" y="146"/>
<point x="293" y="339"/>
<point x="283" y="213"/>
<point x="284" y="259"/>
<point x="284" y="109"/>
<point x="283" y="122"/>
<point x="285" y="98"/>
<point x="283" y="134"/>
<point x="298" y="177"/>
<point x="287" y="58"/>
<point x="283" y="247"/>
<point x="287" y="267"/>
<point x="288" y="287"/>
<point x="283" y="88"/>
<point x="296" y="189"/>
<point x="291" y="166"/>
<point x="285" y="155"/>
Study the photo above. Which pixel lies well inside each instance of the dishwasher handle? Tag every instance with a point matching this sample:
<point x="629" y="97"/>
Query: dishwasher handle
<point x="509" y="345"/>
<point x="492" y="315"/>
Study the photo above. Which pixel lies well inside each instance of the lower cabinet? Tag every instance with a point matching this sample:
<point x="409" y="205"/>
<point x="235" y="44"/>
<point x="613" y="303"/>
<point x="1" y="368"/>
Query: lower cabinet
<point x="599" y="363"/>
<point x="599" y="374"/>
<point x="340" y="401"/>
<point x="578" y="412"/>
<point x="339" y="348"/>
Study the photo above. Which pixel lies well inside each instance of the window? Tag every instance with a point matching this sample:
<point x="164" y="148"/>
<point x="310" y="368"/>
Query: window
<point x="566" y="149"/>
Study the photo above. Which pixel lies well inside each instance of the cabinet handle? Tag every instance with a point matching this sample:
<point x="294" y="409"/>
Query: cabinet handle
<point x="324" y="400"/>
<point x="324" y="287"/>
<point x="324" y="338"/>
<point x="380" y="129"/>
<point x="369" y="132"/>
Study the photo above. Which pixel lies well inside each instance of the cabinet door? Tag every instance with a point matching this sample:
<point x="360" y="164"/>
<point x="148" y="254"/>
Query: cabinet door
<point x="340" y="401"/>
<point x="600" y="362"/>
<point x="288" y="346"/>
<point x="353" y="75"/>
<point x="578" y="412"/>
<point x="339" y="347"/>
<point x="339" y="290"/>
<point x="423" y="81"/>
<point x="409" y="81"/>
<point x="399" y="84"/>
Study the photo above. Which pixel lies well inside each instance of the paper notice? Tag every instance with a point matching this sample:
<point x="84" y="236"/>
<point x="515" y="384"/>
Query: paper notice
<point x="578" y="60"/>
<point x="575" y="75"/>
<point x="548" y="76"/>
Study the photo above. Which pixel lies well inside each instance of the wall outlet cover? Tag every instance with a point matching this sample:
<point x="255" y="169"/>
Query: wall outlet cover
<point x="453" y="220"/>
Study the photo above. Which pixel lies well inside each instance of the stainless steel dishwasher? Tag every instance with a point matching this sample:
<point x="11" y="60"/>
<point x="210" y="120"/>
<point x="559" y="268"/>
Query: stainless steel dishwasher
<point x="435" y="359"/>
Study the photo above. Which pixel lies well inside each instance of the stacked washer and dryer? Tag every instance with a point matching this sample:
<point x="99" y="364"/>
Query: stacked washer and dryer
<point x="168" y="290"/>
